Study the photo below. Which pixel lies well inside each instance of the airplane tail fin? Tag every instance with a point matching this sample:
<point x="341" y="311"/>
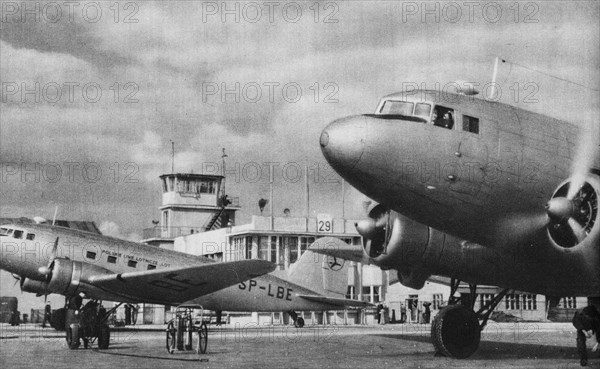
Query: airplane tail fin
<point x="324" y="274"/>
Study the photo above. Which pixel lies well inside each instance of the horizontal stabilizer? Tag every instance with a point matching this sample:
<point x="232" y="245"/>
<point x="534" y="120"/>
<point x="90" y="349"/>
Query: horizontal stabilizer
<point x="177" y="285"/>
<point x="335" y="247"/>
<point x="337" y="301"/>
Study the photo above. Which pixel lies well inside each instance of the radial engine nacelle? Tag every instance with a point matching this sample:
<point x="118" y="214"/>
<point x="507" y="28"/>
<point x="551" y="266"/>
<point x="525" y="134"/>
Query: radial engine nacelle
<point x="393" y="241"/>
<point x="33" y="286"/>
<point x="62" y="276"/>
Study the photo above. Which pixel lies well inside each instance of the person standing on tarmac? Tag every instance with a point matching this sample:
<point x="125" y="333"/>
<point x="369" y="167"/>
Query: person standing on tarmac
<point x="587" y="323"/>
<point x="47" y="314"/>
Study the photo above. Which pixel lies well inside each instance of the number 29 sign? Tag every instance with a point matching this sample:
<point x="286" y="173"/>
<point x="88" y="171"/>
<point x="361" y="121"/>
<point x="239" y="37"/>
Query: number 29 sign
<point x="324" y="223"/>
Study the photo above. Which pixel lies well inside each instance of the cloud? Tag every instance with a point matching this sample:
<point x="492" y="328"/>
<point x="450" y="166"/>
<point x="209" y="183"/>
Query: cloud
<point x="170" y="54"/>
<point x="110" y="228"/>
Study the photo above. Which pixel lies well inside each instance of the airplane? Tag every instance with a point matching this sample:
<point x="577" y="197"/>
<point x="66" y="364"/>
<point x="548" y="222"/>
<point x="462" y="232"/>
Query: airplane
<point x="313" y="283"/>
<point x="51" y="259"/>
<point x="476" y="191"/>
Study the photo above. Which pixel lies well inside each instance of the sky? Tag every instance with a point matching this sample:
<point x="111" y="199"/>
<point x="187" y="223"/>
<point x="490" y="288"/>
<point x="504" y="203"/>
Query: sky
<point x="94" y="94"/>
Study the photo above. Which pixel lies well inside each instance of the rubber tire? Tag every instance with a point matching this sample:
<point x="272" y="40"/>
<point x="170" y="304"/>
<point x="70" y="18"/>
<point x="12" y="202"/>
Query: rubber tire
<point x="299" y="323"/>
<point x="103" y="337"/>
<point x="455" y="332"/>
<point x="72" y="336"/>
<point x="171" y="337"/>
<point x="188" y="335"/>
<point x="202" y="339"/>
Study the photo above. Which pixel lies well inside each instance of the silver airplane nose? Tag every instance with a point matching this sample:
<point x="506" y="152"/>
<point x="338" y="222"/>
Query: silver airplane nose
<point x="343" y="141"/>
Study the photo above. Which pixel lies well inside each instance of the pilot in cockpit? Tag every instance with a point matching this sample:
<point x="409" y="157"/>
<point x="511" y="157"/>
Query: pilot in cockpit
<point x="442" y="118"/>
<point x="447" y="120"/>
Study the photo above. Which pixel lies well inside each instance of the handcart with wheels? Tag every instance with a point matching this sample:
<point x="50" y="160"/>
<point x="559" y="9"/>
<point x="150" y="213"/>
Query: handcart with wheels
<point x="183" y="327"/>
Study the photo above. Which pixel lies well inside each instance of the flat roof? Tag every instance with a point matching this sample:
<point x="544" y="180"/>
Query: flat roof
<point x="192" y="176"/>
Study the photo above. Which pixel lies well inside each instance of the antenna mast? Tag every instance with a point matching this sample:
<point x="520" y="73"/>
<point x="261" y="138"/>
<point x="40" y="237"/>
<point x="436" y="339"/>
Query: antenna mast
<point x="223" y="156"/>
<point x="172" y="157"/>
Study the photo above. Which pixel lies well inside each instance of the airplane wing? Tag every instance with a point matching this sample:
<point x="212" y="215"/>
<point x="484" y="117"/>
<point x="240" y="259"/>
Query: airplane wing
<point x="335" y="247"/>
<point x="177" y="285"/>
<point x="338" y="248"/>
<point x="336" y="301"/>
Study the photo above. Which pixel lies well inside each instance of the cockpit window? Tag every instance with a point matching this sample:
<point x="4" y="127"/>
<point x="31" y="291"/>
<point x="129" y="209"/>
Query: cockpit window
<point x="18" y="234"/>
<point x="422" y="110"/>
<point x="3" y="231"/>
<point x="443" y="117"/>
<point x="396" y="108"/>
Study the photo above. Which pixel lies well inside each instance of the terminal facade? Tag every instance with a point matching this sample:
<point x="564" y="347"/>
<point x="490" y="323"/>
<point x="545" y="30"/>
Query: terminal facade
<point x="198" y="218"/>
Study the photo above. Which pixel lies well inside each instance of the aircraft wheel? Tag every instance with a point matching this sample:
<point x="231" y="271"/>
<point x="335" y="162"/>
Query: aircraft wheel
<point x="455" y="332"/>
<point x="299" y="323"/>
<point x="103" y="337"/>
<point x="171" y="337"/>
<point x="189" y="331"/>
<point x="202" y="339"/>
<point x="72" y="336"/>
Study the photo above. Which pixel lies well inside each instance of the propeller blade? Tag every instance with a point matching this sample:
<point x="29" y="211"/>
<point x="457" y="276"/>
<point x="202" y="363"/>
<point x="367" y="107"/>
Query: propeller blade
<point x="53" y="253"/>
<point x="588" y="151"/>
<point x="519" y="227"/>
<point x="577" y="229"/>
<point x="50" y="268"/>
<point x="17" y="279"/>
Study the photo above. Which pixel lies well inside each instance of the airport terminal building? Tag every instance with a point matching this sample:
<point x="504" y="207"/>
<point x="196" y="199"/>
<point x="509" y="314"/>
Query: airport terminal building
<point x="198" y="219"/>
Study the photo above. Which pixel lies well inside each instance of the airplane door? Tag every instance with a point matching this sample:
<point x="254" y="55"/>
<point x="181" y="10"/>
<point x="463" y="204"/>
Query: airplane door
<point x="471" y="155"/>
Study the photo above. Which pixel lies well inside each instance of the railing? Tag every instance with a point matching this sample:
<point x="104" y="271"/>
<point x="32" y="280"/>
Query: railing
<point x="169" y="232"/>
<point x="234" y="201"/>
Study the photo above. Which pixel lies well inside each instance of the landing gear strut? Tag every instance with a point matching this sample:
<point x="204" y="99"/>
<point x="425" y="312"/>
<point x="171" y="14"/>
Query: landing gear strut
<point x="298" y="321"/>
<point x="456" y="330"/>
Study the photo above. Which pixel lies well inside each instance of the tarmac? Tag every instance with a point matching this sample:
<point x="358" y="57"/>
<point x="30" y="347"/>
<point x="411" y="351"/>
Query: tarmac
<point x="504" y="345"/>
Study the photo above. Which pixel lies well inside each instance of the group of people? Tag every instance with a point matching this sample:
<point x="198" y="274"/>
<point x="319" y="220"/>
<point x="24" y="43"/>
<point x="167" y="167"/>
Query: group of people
<point x="415" y="314"/>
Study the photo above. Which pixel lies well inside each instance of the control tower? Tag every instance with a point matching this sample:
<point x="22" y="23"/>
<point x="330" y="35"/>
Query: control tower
<point x="191" y="203"/>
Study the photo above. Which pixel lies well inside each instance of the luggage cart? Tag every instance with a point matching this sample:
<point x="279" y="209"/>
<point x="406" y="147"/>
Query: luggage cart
<point x="182" y="328"/>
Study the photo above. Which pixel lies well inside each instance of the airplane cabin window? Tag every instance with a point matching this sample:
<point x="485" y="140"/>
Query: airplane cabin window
<point x="391" y="107"/>
<point x="151" y="266"/>
<point x="112" y="259"/>
<point x="90" y="255"/>
<point x="422" y="110"/>
<point x="470" y="124"/>
<point x="443" y="117"/>
<point x="132" y="263"/>
<point x="30" y="236"/>
<point x="18" y="234"/>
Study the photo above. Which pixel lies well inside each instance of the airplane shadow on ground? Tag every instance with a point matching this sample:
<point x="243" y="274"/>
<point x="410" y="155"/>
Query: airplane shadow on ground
<point x="495" y="350"/>
<point x="192" y="357"/>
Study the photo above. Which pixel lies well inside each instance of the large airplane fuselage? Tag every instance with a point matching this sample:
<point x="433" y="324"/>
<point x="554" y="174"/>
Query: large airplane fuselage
<point x="481" y="182"/>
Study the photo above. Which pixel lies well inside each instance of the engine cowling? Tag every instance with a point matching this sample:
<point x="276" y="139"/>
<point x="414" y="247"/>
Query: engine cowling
<point x="33" y="286"/>
<point x="393" y="241"/>
<point x="65" y="275"/>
